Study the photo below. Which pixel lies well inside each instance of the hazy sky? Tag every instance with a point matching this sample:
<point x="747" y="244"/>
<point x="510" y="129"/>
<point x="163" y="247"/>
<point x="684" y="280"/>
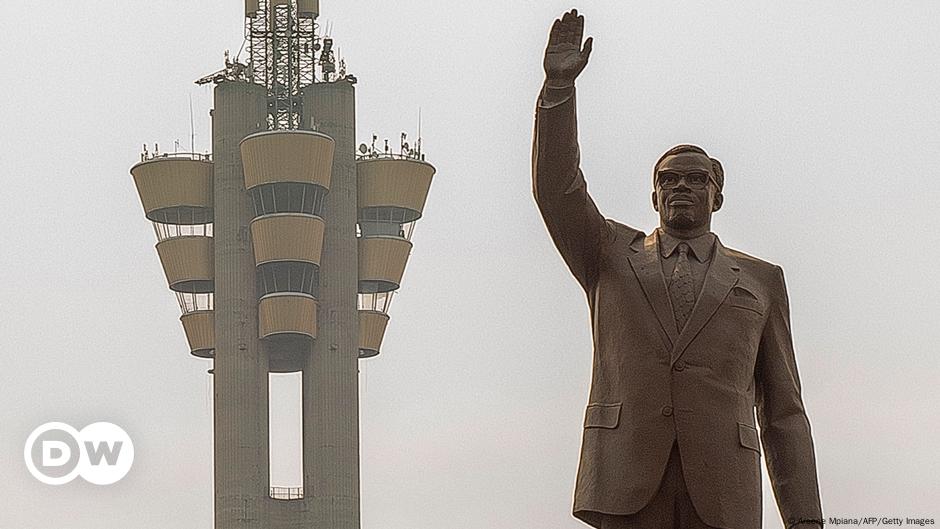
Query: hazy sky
<point x="825" y="115"/>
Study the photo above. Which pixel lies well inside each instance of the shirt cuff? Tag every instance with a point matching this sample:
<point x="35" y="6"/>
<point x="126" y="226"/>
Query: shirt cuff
<point x="553" y="96"/>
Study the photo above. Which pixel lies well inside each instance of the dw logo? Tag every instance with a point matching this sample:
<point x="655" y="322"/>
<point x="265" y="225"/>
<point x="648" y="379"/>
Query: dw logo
<point x="102" y="453"/>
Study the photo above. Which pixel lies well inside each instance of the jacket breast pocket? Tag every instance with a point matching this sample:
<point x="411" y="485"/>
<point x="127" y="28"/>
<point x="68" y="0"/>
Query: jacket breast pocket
<point x="600" y="415"/>
<point x="743" y="298"/>
<point x="748" y="437"/>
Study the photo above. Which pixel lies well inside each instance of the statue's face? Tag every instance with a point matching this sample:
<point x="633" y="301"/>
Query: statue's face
<point x="685" y="194"/>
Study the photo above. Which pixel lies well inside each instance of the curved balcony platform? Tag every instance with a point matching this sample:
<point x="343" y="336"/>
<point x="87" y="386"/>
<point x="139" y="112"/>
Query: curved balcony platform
<point x="401" y="183"/>
<point x="287" y="313"/>
<point x="200" y="332"/>
<point x="382" y="262"/>
<point x="287" y="156"/>
<point x="287" y="324"/>
<point x="175" y="190"/>
<point x="188" y="262"/>
<point x="287" y="237"/>
<point x="372" y="325"/>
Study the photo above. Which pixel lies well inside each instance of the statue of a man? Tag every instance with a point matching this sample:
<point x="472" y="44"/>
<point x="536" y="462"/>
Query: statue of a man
<point x="689" y="338"/>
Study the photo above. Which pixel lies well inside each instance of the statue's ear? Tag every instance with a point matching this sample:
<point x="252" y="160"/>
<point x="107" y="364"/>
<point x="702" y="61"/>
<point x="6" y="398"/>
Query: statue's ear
<point x="655" y="202"/>
<point x="719" y="200"/>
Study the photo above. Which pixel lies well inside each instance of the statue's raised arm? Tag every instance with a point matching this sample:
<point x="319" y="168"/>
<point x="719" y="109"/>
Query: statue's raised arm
<point x="579" y="231"/>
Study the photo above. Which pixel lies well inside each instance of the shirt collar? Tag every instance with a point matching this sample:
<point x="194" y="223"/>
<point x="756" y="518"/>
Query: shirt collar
<point x="701" y="246"/>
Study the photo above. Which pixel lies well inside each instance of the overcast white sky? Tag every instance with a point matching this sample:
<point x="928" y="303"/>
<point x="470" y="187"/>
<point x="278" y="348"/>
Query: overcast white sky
<point x="825" y="115"/>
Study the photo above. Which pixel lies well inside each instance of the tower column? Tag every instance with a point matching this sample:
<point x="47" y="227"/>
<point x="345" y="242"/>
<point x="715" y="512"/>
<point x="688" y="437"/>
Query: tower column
<point x="241" y="366"/>
<point x="331" y="371"/>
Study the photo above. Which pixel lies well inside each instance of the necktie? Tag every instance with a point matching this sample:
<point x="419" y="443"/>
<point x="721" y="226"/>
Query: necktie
<point x="681" y="287"/>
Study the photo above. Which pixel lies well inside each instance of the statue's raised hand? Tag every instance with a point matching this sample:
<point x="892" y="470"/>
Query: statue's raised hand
<point x="564" y="56"/>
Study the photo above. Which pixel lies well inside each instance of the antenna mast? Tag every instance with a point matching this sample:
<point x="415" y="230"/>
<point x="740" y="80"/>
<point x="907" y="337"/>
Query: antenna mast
<point x="282" y="44"/>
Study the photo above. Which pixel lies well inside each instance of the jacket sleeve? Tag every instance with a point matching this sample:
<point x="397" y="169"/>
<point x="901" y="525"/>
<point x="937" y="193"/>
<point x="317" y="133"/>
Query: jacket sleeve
<point x="577" y="228"/>
<point x="785" y="429"/>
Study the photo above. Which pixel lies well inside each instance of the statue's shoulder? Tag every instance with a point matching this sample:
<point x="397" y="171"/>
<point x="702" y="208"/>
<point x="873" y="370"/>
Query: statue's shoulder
<point x="748" y="259"/>
<point x="625" y="233"/>
<point x="755" y="267"/>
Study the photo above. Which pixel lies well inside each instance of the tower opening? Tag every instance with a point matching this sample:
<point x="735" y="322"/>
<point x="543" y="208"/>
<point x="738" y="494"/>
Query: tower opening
<point x="285" y="435"/>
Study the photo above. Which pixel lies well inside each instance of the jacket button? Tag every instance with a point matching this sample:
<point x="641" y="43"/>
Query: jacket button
<point x="680" y="366"/>
<point x="667" y="411"/>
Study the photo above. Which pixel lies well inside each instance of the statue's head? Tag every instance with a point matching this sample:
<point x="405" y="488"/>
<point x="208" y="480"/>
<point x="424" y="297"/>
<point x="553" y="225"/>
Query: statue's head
<point x="687" y="186"/>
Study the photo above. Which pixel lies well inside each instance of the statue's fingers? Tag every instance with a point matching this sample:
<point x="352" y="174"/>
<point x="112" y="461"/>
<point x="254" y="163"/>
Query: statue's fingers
<point x="578" y="32"/>
<point x="586" y="51"/>
<point x="567" y="19"/>
<point x="564" y="31"/>
<point x="555" y="35"/>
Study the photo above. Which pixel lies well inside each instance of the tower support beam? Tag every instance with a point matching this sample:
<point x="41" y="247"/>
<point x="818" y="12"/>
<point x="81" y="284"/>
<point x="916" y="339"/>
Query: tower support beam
<point x="241" y="367"/>
<point x="331" y="372"/>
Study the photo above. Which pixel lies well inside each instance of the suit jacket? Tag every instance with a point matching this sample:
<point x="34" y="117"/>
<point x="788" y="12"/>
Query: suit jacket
<point x="653" y="386"/>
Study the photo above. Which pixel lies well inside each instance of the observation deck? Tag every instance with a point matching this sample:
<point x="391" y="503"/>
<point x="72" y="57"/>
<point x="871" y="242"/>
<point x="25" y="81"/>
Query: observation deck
<point x="176" y="193"/>
<point x="392" y="191"/>
<point x="287" y="175"/>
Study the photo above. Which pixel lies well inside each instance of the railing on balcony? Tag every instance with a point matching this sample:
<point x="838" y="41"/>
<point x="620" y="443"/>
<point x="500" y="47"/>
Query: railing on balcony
<point x="287" y="493"/>
<point x="147" y="155"/>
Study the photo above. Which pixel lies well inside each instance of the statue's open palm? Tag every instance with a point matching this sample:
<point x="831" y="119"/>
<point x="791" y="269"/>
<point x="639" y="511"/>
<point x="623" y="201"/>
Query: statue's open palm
<point x="564" y="56"/>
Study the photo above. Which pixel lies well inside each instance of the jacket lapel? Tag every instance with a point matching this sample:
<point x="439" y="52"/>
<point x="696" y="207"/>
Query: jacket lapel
<point x="649" y="271"/>
<point x="721" y="277"/>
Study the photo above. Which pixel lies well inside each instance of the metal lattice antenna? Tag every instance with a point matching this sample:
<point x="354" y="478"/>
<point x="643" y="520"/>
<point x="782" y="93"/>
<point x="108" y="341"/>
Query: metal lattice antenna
<point x="285" y="55"/>
<point x="282" y="44"/>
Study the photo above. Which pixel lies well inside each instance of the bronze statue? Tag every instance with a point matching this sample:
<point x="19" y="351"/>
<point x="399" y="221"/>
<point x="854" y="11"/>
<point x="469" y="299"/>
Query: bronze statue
<point x="689" y="337"/>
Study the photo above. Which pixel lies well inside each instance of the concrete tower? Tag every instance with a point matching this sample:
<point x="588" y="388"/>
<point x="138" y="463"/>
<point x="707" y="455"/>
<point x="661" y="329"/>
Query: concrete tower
<point x="284" y="249"/>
